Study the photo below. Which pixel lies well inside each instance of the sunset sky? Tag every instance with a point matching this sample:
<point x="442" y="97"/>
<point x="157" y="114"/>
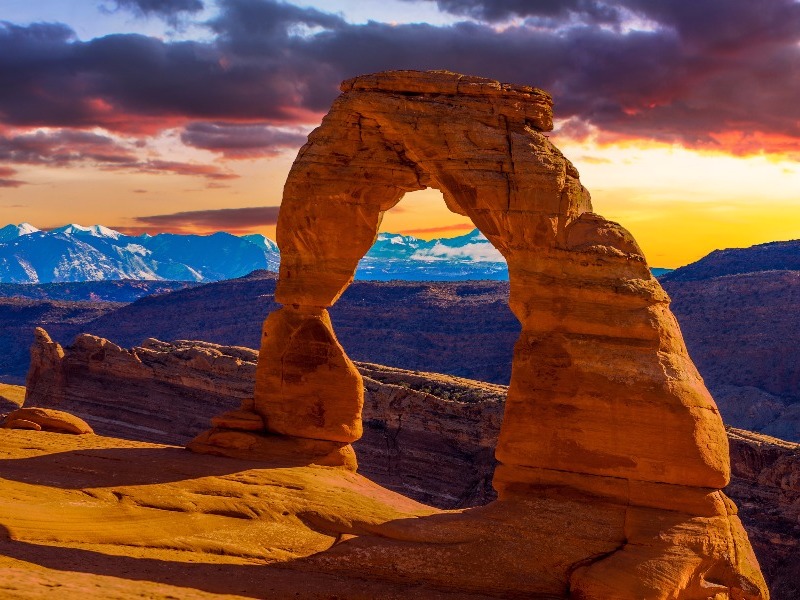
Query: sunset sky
<point x="683" y="117"/>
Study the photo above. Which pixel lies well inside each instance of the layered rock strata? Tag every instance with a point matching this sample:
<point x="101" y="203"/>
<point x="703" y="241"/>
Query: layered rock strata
<point x="156" y="392"/>
<point x="604" y="401"/>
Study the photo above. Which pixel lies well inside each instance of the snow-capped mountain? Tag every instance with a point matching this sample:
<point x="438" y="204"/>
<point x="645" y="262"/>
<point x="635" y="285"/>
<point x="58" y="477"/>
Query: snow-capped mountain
<point x="76" y="253"/>
<point x="11" y="232"/>
<point x="469" y="256"/>
<point x="268" y="246"/>
<point x="93" y="231"/>
<point x="97" y="253"/>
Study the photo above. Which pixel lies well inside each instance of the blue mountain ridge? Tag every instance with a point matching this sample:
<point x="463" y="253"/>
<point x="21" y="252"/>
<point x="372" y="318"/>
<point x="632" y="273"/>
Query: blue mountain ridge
<point x="74" y="253"/>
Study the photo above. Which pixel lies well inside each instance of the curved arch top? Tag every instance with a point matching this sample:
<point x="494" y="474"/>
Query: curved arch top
<point x="479" y="142"/>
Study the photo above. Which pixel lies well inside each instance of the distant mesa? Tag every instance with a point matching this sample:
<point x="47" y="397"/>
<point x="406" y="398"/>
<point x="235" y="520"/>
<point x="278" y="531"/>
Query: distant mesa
<point x="773" y="256"/>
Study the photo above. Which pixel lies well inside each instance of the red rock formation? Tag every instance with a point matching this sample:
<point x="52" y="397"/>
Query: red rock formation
<point x="157" y="392"/>
<point x="426" y="435"/>
<point x="766" y="486"/>
<point x="604" y="400"/>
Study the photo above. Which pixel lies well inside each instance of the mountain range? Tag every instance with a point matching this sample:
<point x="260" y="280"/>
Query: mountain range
<point x="74" y="253"/>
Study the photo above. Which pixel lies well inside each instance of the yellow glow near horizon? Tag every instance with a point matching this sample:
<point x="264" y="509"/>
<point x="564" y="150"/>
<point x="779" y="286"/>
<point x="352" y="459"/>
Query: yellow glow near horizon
<point x="679" y="204"/>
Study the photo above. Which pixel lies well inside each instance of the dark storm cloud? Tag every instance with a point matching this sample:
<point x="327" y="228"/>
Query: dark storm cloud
<point x="552" y="10"/>
<point x="223" y="219"/>
<point x="235" y="140"/>
<point x="63" y="147"/>
<point x="263" y="27"/>
<point x="170" y="10"/>
<point x="698" y="70"/>
<point x="137" y="83"/>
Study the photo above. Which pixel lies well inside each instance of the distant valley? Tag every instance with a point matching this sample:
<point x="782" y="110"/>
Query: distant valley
<point x="737" y="310"/>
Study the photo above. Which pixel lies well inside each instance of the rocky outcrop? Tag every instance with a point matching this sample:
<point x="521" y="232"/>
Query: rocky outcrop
<point x="604" y="403"/>
<point x="157" y="392"/>
<point x="766" y="486"/>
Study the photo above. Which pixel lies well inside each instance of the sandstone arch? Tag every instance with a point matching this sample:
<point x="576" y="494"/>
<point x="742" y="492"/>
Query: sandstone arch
<point x="604" y="401"/>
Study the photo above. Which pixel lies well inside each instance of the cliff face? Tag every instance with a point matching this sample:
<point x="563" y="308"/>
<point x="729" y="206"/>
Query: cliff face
<point x="741" y="331"/>
<point x="155" y="392"/>
<point x="766" y="486"/>
<point x="430" y="437"/>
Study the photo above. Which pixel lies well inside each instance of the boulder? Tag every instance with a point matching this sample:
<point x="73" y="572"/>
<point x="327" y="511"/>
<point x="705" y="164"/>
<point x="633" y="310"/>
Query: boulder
<point x="46" y="419"/>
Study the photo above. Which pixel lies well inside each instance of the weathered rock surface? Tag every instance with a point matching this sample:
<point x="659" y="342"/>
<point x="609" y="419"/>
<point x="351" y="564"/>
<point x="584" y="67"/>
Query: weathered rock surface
<point x="45" y="419"/>
<point x="156" y="392"/>
<point x="766" y="486"/>
<point x="604" y="401"/>
<point x="431" y="437"/>
<point x="94" y="517"/>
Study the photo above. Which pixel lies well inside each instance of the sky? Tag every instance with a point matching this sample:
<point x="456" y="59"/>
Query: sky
<point x="185" y="115"/>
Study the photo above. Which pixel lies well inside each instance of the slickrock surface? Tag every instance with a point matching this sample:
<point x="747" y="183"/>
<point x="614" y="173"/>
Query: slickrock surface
<point x="93" y="517"/>
<point x="606" y="416"/>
